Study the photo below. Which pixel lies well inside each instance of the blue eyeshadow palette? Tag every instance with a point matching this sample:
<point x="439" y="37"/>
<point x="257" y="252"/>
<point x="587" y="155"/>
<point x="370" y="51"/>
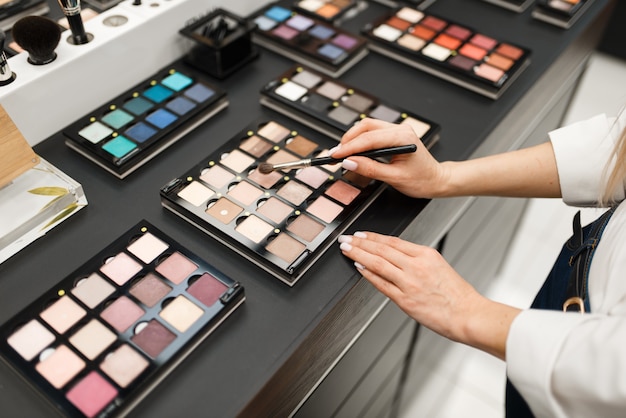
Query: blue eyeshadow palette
<point x="129" y="130"/>
<point x="96" y="343"/>
<point x="331" y="107"/>
<point x="308" y="40"/>
<point x="282" y="221"/>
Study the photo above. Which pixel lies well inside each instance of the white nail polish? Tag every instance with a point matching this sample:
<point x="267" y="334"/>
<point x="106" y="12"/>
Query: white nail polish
<point x="349" y="165"/>
<point x="360" y="234"/>
<point x="345" y="247"/>
<point x="334" y="149"/>
<point x="344" y="238"/>
<point x="359" y="266"/>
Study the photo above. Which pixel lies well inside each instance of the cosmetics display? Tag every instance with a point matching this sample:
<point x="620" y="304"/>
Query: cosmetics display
<point x="223" y="43"/>
<point x="331" y="107"/>
<point x="561" y="13"/>
<point x="13" y="10"/>
<point x="451" y="51"/>
<point x="515" y="5"/>
<point x="308" y="40"/>
<point x="333" y="11"/>
<point x="34" y="195"/>
<point x="282" y="221"/>
<point x="132" y="128"/>
<point x="98" y="341"/>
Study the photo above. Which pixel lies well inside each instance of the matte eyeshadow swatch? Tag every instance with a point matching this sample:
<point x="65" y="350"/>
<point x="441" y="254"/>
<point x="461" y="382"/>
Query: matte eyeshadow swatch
<point x="448" y="50"/>
<point x="327" y="10"/>
<point x="127" y="131"/>
<point x="561" y="13"/>
<point x="309" y="40"/>
<point x="282" y="221"/>
<point x="331" y="107"/>
<point x="102" y="337"/>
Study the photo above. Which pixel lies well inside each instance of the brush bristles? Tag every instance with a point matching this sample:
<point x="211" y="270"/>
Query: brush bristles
<point x="39" y="36"/>
<point x="265" y="168"/>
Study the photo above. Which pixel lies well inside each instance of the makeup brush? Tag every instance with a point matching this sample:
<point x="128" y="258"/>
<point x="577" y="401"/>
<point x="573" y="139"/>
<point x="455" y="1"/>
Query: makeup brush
<point x="71" y="10"/>
<point x="266" y="168"/>
<point x="6" y="75"/>
<point x="39" y="36"/>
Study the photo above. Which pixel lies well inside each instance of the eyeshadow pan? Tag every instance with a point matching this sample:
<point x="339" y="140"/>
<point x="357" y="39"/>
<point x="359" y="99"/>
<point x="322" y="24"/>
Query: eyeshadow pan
<point x="30" y="339"/>
<point x="274" y="210"/>
<point x="462" y="62"/>
<point x="149" y="290"/>
<point x="147" y="247"/>
<point x="385" y="113"/>
<point x="436" y="52"/>
<point x="122" y="313"/>
<point x="398" y="23"/>
<point x="117" y="118"/>
<point x="62" y="314"/>
<point x="305" y="227"/>
<point x="92" y="339"/>
<point x="60" y="366"/>
<point x="434" y="23"/>
<point x="124" y="365"/>
<point x="312" y="176"/>
<point x="343" y="192"/>
<point x="207" y="289"/>
<point x="345" y="41"/>
<point x="176" y="267"/>
<point x="410" y="15"/>
<point x="181" y="313"/>
<point x="387" y="32"/>
<point x="420" y="128"/>
<point x="328" y="10"/>
<point x="158" y="93"/>
<point x="199" y="92"/>
<point x="499" y="61"/>
<point x="291" y="91"/>
<point x="120" y="268"/>
<point x="95" y="132"/>
<point x="161" y="118"/>
<point x="245" y="193"/>
<point x="358" y="102"/>
<point x="301" y="146"/>
<point x="91" y="394"/>
<point x="278" y="13"/>
<point x="216" y="176"/>
<point x="254" y="228"/>
<point x="180" y="106"/>
<point x="152" y="337"/>
<point x="265" y="23"/>
<point x="119" y="146"/>
<point x="224" y="210"/>
<point x="316" y="102"/>
<point x="447" y="41"/>
<point x="195" y="193"/>
<point x="285" y="32"/>
<point x="324" y="209"/>
<point x="299" y="23"/>
<point x="489" y="72"/>
<point x="237" y="161"/>
<point x="306" y="79"/>
<point x="343" y="115"/>
<point x="330" y="51"/>
<point x="286" y="247"/>
<point x="281" y="156"/>
<point x="423" y="32"/>
<point x="294" y="192"/>
<point x="483" y="41"/>
<point x="473" y="52"/>
<point x="274" y="132"/>
<point x="177" y="81"/>
<point x="510" y="51"/>
<point x="321" y="32"/>
<point x="266" y="181"/>
<point x="138" y="105"/>
<point x="140" y="132"/>
<point x="92" y="290"/>
<point x="331" y="90"/>
<point x="411" y="42"/>
<point x="458" y="32"/>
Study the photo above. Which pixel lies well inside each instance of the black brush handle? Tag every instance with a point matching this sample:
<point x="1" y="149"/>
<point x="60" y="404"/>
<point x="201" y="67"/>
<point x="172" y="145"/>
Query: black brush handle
<point x="376" y="153"/>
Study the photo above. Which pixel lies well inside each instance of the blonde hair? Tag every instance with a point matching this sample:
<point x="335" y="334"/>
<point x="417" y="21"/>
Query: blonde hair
<point x="615" y="178"/>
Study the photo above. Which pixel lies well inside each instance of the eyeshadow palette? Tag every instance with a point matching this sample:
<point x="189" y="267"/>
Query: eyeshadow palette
<point x="327" y="105"/>
<point x="333" y="11"/>
<point x="561" y="13"/>
<point x="282" y="221"/>
<point x="129" y="130"/>
<point x="448" y="50"/>
<point x="98" y="341"/>
<point x="309" y="40"/>
<point x="515" y="5"/>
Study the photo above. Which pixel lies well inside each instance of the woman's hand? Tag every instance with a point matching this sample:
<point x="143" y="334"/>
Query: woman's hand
<point x="426" y="287"/>
<point x="416" y="175"/>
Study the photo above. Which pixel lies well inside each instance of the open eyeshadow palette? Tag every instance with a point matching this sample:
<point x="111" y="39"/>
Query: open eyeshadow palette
<point x="448" y="50"/>
<point x="129" y="130"/>
<point x="309" y="40"/>
<point x="282" y="221"/>
<point x="515" y="5"/>
<point x="561" y="13"/>
<point x="98" y="341"/>
<point x="327" y="105"/>
<point x="329" y="10"/>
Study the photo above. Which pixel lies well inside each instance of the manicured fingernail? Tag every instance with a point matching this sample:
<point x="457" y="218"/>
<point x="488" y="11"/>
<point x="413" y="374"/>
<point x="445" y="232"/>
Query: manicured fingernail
<point x="344" y="238"/>
<point x="344" y="246"/>
<point x="349" y="165"/>
<point x="334" y="149"/>
<point x="360" y="234"/>
<point x="359" y="266"/>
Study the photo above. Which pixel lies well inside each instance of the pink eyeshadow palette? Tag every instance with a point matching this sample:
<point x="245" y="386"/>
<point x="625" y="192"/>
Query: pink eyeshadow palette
<point x="331" y="107"/>
<point x="451" y="51"/>
<point x="282" y="221"/>
<point x="134" y="127"/>
<point x="515" y="5"/>
<point x="97" y="342"/>
<point x="561" y="13"/>
<point x="308" y="39"/>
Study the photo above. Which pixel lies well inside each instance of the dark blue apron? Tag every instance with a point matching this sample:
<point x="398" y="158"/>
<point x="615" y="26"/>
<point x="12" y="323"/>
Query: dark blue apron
<point x="564" y="289"/>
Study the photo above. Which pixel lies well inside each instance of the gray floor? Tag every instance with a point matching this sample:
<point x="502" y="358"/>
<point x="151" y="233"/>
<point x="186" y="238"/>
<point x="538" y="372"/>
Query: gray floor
<point x="476" y="389"/>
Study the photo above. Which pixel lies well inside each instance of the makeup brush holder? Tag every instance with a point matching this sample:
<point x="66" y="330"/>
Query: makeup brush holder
<point x="223" y="43"/>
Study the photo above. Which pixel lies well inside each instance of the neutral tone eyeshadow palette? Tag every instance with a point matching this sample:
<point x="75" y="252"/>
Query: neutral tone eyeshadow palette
<point x="282" y="221"/>
<point x="96" y="343"/>
<point x="129" y="130"/>
<point x="308" y="40"/>
<point x="329" y="10"/>
<point x="515" y="5"/>
<point x="327" y="105"/>
<point x="448" y="50"/>
<point x="561" y="13"/>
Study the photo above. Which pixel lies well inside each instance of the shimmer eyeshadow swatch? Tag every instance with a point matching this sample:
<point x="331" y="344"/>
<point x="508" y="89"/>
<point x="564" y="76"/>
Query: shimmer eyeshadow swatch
<point x="515" y="5"/>
<point x="561" y="13"/>
<point x="132" y="128"/>
<point x="309" y="40"/>
<point x="282" y="221"/>
<point x="95" y="343"/>
<point x="448" y="50"/>
<point x="331" y="107"/>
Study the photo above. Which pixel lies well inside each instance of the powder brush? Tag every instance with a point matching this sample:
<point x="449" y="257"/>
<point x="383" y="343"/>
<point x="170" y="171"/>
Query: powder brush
<point x="266" y="168"/>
